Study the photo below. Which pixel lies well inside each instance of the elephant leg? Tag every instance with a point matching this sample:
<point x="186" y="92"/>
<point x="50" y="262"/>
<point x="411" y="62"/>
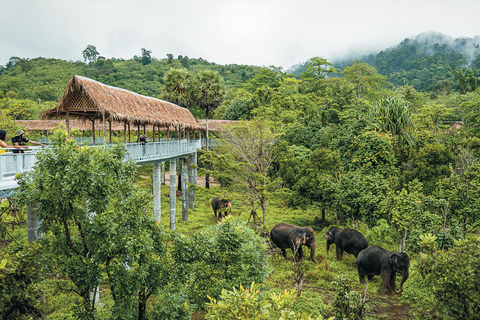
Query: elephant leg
<point x="284" y="253"/>
<point x="215" y="212"/>
<point x="361" y="276"/>
<point x="386" y="278"/>
<point x="339" y="253"/>
<point x="370" y="277"/>
<point x="393" y="278"/>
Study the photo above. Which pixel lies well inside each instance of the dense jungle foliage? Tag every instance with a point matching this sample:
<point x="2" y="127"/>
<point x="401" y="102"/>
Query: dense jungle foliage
<point x="347" y="146"/>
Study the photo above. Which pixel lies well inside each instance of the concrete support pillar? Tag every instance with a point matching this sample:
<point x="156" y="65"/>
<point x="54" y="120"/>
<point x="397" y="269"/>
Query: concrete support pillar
<point x="33" y="224"/>
<point x="192" y="179"/>
<point x="184" y="189"/>
<point x="173" y="194"/>
<point x="156" y="192"/>
<point x="163" y="172"/>
<point x="95" y="294"/>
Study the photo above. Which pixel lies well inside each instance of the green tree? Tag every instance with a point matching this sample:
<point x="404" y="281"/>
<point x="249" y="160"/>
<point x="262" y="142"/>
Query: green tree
<point x="244" y="155"/>
<point x="225" y="255"/>
<point x="146" y="56"/>
<point x="97" y="224"/>
<point x="316" y="180"/>
<point x="209" y="94"/>
<point x="365" y="78"/>
<point x="430" y="116"/>
<point x="393" y="116"/>
<point x="26" y="65"/>
<point x="90" y="53"/>
<point x="454" y="276"/>
<point x="20" y="276"/>
<point x="462" y="191"/>
<point x="178" y="87"/>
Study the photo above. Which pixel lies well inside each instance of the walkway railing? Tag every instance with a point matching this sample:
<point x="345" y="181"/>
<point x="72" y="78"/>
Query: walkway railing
<point x="13" y="163"/>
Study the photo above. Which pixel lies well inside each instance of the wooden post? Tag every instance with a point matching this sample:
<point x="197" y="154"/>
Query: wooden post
<point x="138" y="131"/>
<point x="153" y="133"/>
<point x="168" y="134"/>
<point x="173" y="193"/>
<point x="144" y="128"/>
<point x="129" y="140"/>
<point x="67" y="123"/>
<point x="93" y="130"/>
<point x="110" y="129"/>
<point x="124" y="131"/>
<point x="104" y="129"/>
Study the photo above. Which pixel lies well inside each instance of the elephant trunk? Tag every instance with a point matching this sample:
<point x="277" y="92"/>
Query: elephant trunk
<point x="404" y="278"/>
<point x="313" y="247"/>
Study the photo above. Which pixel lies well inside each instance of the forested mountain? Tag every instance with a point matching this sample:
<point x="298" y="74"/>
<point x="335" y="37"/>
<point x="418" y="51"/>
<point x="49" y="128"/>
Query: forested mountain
<point x="426" y="62"/>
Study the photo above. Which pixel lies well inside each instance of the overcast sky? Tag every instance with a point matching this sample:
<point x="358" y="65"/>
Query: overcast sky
<point x="260" y="32"/>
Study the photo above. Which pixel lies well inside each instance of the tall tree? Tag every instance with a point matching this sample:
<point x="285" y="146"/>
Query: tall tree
<point x="90" y="53"/>
<point x="146" y="56"/>
<point x="364" y="77"/>
<point x="26" y="65"/>
<point x="244" y="156"/>
<point x="393" y="115"/>
<point x="177" y="88"/>
<point x="209" y="94"/>
<point x="98" y="224"/>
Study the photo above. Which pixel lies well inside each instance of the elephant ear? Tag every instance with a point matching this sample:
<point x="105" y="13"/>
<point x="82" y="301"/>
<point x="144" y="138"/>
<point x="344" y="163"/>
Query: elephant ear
<point x="393" y="259"/>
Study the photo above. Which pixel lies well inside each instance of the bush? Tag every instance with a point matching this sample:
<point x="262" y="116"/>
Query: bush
<point x="347" y="304"/>
<point x="454" y="276"/>
<point x="222" y="256"/>
<point x="20" y="275"/>
<point x="248" y="304"/>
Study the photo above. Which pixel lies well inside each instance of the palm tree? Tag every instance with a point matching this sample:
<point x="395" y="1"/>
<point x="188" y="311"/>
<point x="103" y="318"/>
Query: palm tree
<point x="177" y="87"/>
<point x="393" y="115"/>
<point x="210" y="92"/>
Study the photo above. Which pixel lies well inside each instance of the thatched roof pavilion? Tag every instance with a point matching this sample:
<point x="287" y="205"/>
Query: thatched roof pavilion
<point x="87" y="99"/>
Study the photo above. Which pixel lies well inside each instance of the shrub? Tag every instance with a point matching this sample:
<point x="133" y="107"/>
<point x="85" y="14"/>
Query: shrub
<point x="248" y="304"/>
<point x="222" y="256"/>
<point x="348" y="304"/>
<point x="454" y="275"/>
<point x="20" y="274"/>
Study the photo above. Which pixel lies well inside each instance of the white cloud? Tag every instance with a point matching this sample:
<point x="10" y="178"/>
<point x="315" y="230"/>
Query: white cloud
<point x="280" y="33"/>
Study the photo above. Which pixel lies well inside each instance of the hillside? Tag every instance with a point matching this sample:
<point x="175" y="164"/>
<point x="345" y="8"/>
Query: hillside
<point x="421" y="62"/>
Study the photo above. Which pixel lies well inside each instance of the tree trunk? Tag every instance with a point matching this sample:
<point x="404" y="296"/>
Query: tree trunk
<point x="207" y="175"/>
<point x="142" y="303"/>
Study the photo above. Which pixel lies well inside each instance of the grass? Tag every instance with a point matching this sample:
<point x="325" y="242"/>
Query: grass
<point x="318" y="277"/>
<point x="318" y="291"/>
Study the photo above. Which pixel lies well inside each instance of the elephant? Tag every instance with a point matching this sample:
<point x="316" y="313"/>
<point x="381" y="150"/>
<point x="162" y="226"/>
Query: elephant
<point x="218" y="204"/>
<point x="378" y="261"/>
<point x="285" y="236"/>
<point x="346" y="240"/>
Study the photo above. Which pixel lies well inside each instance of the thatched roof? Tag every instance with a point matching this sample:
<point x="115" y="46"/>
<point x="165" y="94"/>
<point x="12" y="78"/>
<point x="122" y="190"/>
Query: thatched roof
<point x="85" y="98"/>
<point x="47" y="125"/>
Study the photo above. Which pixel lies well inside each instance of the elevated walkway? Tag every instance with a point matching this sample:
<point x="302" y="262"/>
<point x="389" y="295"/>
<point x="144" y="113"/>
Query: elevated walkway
<point x="12" y="164"/>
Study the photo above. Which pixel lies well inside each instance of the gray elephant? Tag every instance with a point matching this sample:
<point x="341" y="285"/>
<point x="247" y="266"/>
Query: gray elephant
<point x="346" y="240"/>
<point x="377" y="261"/>
<point x="285" y="236"/>
<point x="219" y="204"/>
